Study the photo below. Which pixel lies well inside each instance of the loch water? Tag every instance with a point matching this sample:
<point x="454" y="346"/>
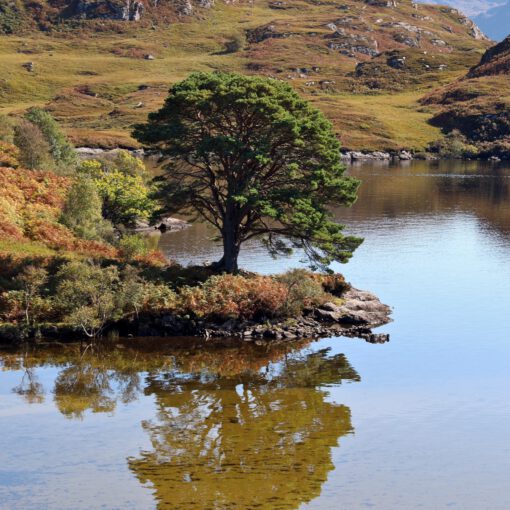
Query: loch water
<point x="421" y="422"/>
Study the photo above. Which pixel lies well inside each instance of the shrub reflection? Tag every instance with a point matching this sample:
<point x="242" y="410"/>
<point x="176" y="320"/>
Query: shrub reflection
<point x="234" y="427"/>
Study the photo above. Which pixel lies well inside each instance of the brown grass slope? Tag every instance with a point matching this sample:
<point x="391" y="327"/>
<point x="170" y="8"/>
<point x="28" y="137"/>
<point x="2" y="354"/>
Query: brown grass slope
<point x="365" y="63"/>
<point x="478" y="104"/>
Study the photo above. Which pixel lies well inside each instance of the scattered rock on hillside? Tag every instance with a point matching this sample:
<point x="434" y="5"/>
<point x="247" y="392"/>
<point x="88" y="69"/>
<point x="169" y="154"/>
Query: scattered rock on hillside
<point x="412" y="42"/>
<point x="476" y="106"/>
<point x="279" y="5"/>
<point x="396" y="61"/>
<point x="185" y="8"/>
<point x="205" y="4"/>
<point x="125" y="10"/>
<point x="475" y="31"/>
<point x="382" y="3"/>
<point x="259" y="34"/>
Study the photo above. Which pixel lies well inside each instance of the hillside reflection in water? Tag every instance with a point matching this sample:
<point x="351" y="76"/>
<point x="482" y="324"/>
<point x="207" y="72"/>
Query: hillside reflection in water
<point x="405" y="193"/>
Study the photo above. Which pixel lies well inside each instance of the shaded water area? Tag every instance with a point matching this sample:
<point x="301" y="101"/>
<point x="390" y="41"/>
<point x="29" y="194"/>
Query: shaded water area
<point x="422" y="422"/>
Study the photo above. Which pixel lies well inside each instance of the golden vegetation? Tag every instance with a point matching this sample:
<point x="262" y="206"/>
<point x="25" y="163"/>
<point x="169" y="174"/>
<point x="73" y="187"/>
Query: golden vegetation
<point x="98" y="80"/>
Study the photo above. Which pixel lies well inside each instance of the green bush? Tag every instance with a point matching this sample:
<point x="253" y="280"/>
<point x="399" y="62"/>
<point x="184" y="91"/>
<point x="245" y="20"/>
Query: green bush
<point x="82" y="212"/>
<point x="6" y="129"/>
<point x="454" y="145"/>
<point x="87" y="296"/>
<point x="125" y="196"/>
<point x="126" y="163"/>
<point x="303" y="291"/>
<point x="132" y="246"/>
<point x="61" y="150"/>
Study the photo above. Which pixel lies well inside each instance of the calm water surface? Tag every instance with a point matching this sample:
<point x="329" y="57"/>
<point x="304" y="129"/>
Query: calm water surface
<point x="422" y="422"/>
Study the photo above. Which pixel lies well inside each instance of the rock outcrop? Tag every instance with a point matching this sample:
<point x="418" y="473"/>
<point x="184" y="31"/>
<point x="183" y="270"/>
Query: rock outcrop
<point x="477" y="106"/>
<point x="495" y="61"/>
<point x="123" y="10"/>
<point x="360" y="308"/>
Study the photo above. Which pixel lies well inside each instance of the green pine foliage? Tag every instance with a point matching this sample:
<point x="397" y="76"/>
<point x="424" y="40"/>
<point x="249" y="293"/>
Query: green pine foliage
<point x="255" y="160"/>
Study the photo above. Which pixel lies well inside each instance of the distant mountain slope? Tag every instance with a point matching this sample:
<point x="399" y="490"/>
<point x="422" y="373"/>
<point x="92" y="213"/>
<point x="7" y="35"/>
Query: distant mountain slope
<point x="100" y="65"/>
<point x="495" y="22"/>
<point x="478" y="105"/>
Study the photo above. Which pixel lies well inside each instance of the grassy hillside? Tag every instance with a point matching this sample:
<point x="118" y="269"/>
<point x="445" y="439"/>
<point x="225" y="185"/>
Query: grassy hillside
<point x="478" y="104"/>
<point x="363" y="63"/>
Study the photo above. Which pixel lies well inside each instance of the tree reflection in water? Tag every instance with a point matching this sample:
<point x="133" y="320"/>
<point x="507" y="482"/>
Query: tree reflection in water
<point x="235" y="427"/>
<point x="248" y="441"/>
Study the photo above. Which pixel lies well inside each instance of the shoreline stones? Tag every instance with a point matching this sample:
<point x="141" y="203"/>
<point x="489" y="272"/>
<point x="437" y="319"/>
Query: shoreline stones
<point x="402" y="155"/>
<point x="169" y="224"/>
<point x="94" y="152"/>
<point x="355" y="317"/>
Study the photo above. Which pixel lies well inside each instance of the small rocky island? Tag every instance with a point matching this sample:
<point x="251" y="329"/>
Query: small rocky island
<point x="356" y="316"/>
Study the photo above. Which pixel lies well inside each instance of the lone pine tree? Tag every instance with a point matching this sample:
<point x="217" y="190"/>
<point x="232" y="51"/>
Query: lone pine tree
<point x="255" y="160"/>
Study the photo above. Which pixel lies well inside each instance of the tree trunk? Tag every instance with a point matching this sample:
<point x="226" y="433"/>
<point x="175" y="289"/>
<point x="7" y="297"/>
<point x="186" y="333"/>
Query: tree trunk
<point x="231" y="248"/>
<point x="228" y="262"/>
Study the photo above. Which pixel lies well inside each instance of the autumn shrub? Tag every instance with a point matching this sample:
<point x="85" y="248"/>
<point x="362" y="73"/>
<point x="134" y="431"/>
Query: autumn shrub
<point x="31" y="206"/>
<point x="11" y="224"/>
<point x="28" y="196"/>
<point x="234" y="297"/>
<point x="28" y="303"/>
<point x="9" y="155"/>
<point x="152" y="258"/>
<point x="333" y="283"/>
<point x="34" y="150"/>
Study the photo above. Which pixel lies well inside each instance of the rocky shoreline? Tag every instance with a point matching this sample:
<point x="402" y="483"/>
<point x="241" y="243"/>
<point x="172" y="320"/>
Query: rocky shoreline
<point x="354" y="156"/>
<point x="169" y="224"/>
<point x="348" y="156"/>
<point x="357" y="315"/>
